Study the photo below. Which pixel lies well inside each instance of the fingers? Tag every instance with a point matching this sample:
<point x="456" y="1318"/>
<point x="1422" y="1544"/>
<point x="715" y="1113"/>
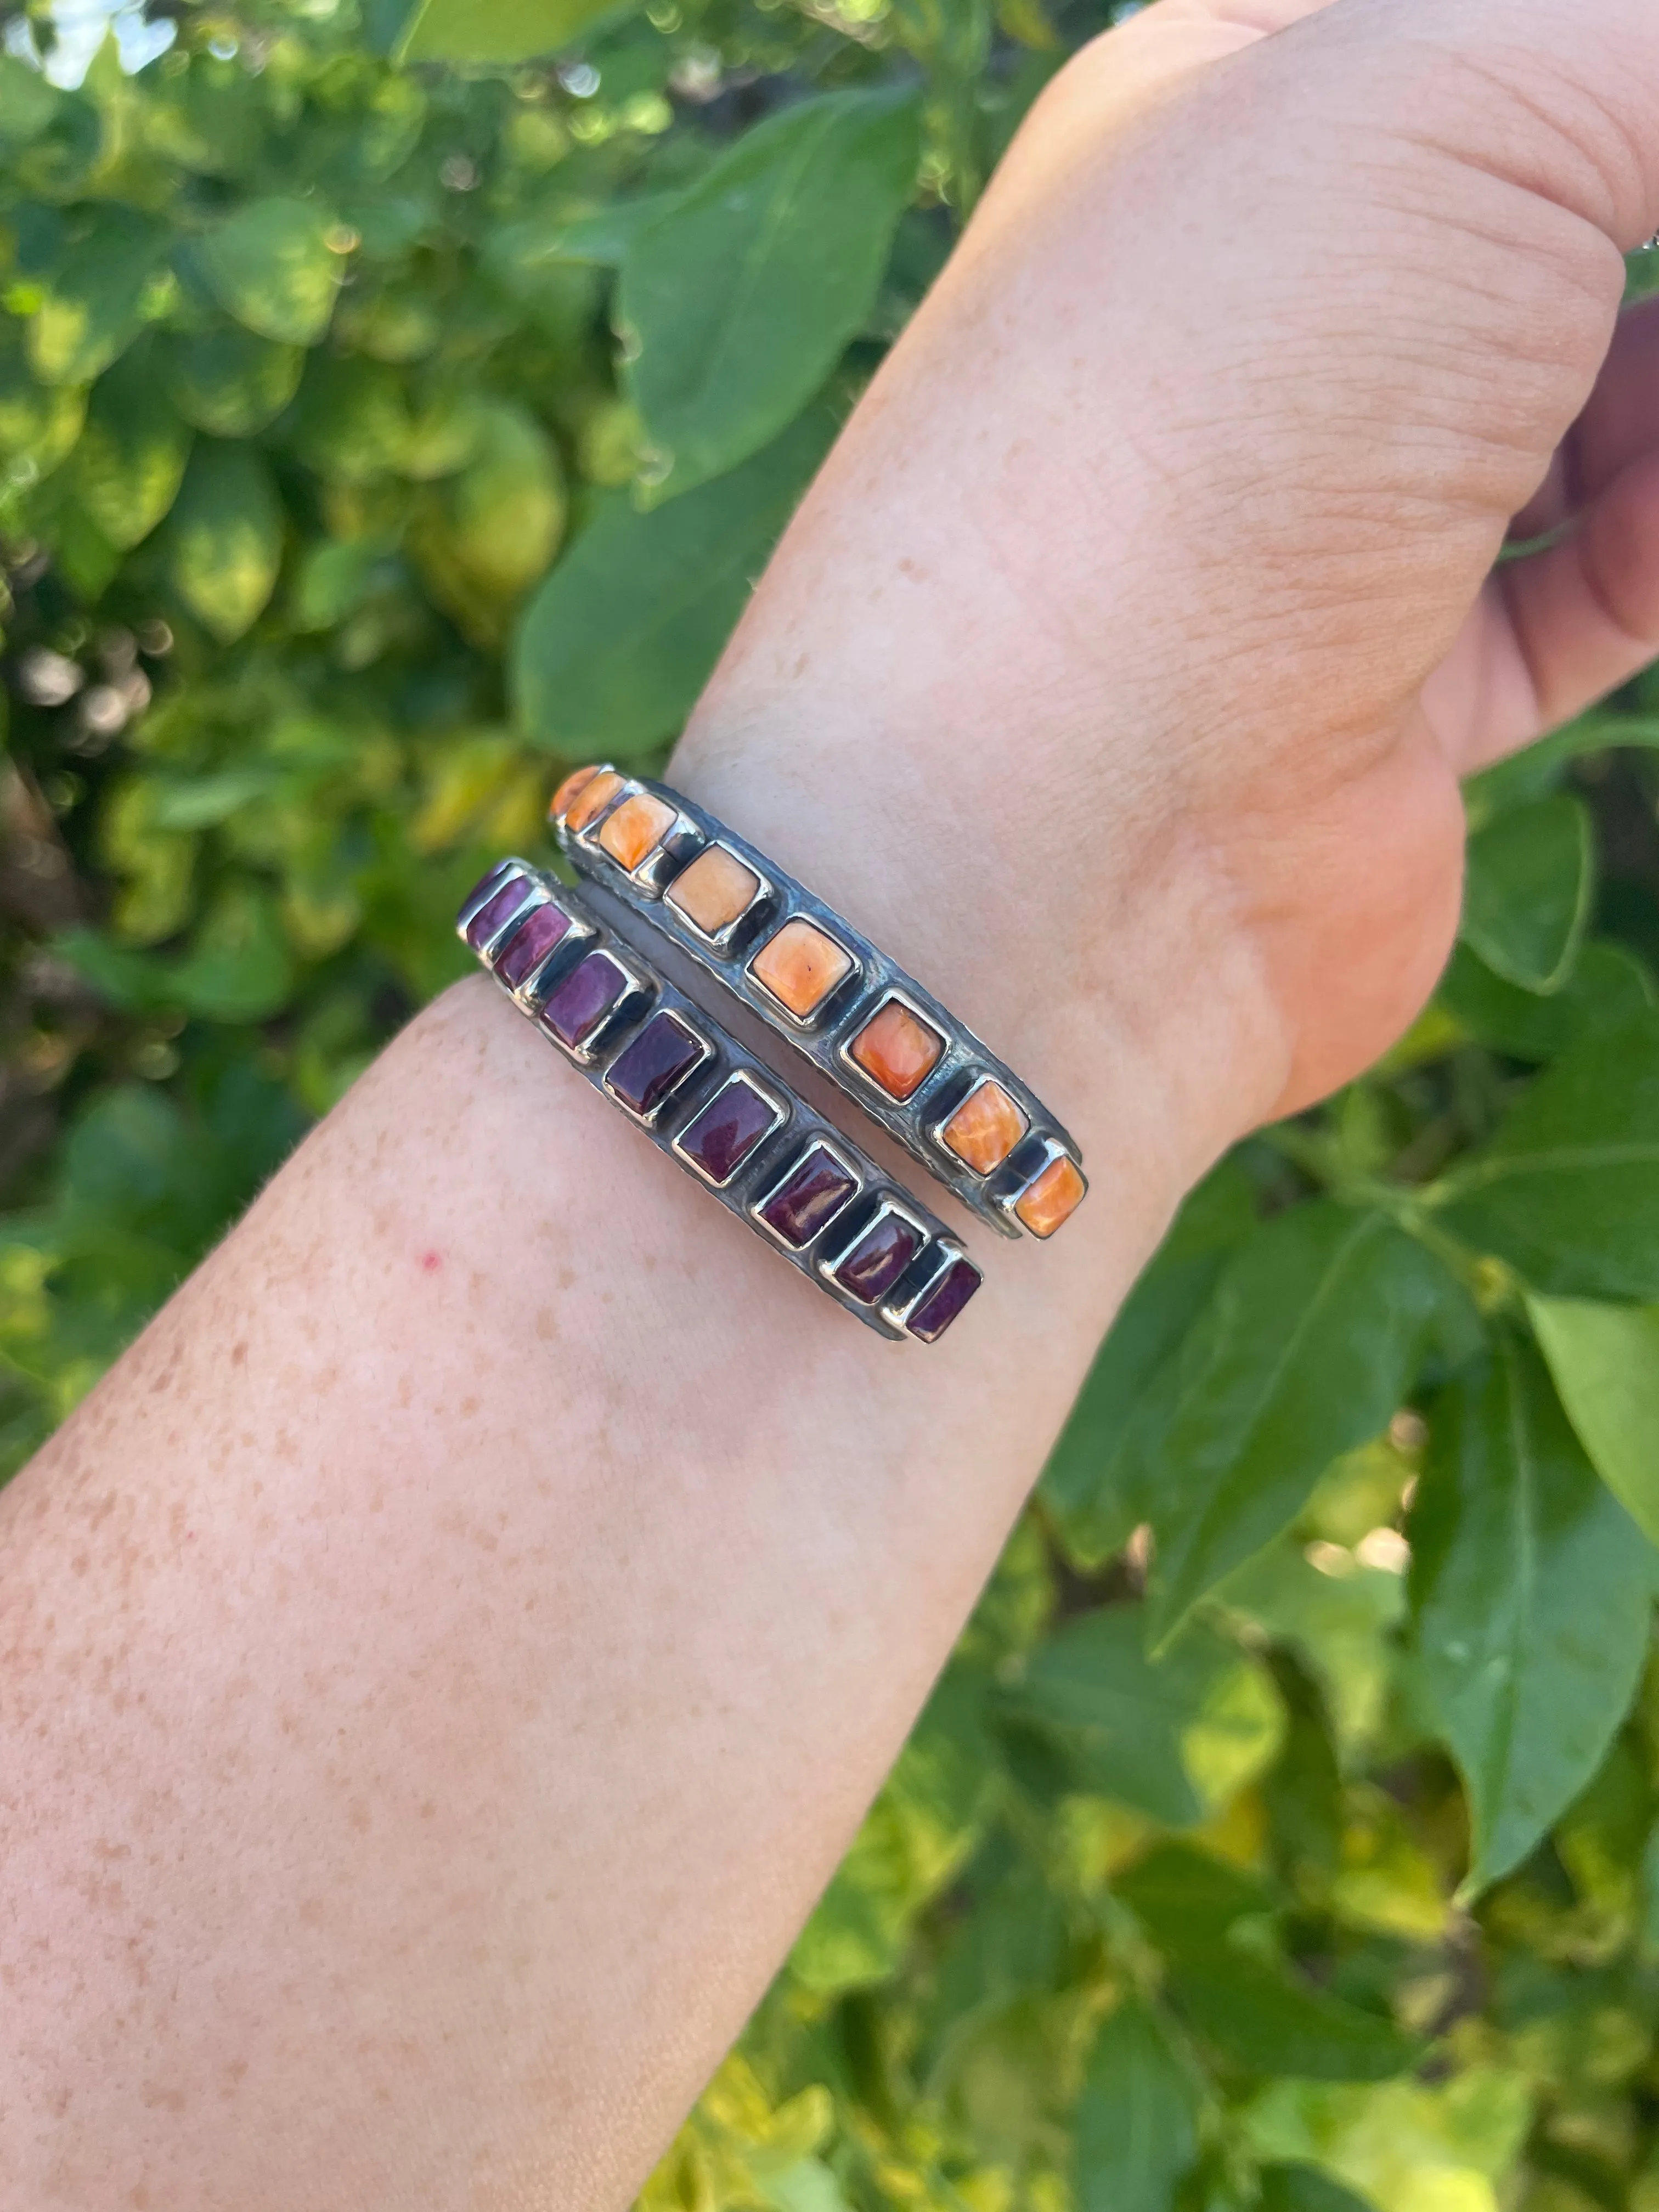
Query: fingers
<point x="1620" y="423"/>
<point x="1558" y="630"/>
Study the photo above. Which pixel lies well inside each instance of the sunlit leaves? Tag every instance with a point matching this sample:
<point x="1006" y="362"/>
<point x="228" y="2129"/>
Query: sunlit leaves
<point x="1098" y="1482"/>
<point x="1136" y="2132"/>
<point x="1605" y="1360"/>
<point x="1531" y="1589"/>
<point x="239" y="968"/>
<point x="96" y="297"/>
<point x="130" y="459"/>
<point x="1567" y="1192"/>
<point x="1308" y="1343"/>
<point x="487" y="533"/>
<point x="39" y="422"/>
<point x="1170" y="1737"/>
<point x="1290" y="2187"/>
<point x="506" y="31"/>
<point x="1526" y="895"/>
<point x="272" y="265"/>
<point x="230" y="382"/>
<point x="1266" y="2020"/>
<point x="225" y="539"/>
<point x="739" y="303"/>
<point x="614" y="648"/>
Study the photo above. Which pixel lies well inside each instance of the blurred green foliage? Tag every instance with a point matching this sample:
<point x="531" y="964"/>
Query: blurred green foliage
<point x="396" y="405"/>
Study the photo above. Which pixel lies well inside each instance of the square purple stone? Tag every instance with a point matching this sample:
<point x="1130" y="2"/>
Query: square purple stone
<point x="880" y="1256"/>
<point x="584" y="999"/>
<point x="542" y="928"/>
<point x="496" y="909"/>
<point x="812" y="1194"/>
<point x="719" y="1138"/>
<point x="935" y="1313"/>
<point x="659" y="1059"/>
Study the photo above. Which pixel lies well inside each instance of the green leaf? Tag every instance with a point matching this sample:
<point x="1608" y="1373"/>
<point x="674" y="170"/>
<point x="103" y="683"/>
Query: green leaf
<point x="741" y="301"/>
<point x="130" y="459"/>
<point x="1172" y="1737"/>
<point x="1309" y="1345"/>
<point x="1528" y="895"/>
<point x="353" y="422"/>
<point x="1530" y="1586"/>
<point x="95" y="304"/>
<point x="1605" y="1360"/>
<point x="1136" y="2120"/>
<point x="225" y="539"/>
<point x="915" y="1838"/>
<point x="1536" y="770"/>
<point x="239" y="968"/>
<point x="231" y="382"/>
<point x="1341" y="1624"/>
<point x="505" y="510"/>
<point x="270" y="266"/>
<point x="614" y="647"/>
<point x="1259" y="2018"/>
<point x="504" y="31"/>
<point x="1095" y="1484"/>
<point x="1609" y="985"/>
<point x="1567" y="1192"/>
<point x="39" y="423"/>
<point x="600" y="239"/>
<point x="1187" y="1899"/>
<point x="1290" y="2187"/>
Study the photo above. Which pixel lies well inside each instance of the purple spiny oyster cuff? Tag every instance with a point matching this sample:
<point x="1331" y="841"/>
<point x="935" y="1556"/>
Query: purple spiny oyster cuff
<point x="728" y="1121"/>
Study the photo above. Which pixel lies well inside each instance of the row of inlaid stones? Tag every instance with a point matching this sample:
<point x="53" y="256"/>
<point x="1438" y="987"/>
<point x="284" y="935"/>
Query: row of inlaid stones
<point x="801" y="965"/>
<point x="818" y="1188"/>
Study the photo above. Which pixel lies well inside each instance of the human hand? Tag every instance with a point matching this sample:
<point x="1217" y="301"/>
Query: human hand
<point x="1178" y="506"/>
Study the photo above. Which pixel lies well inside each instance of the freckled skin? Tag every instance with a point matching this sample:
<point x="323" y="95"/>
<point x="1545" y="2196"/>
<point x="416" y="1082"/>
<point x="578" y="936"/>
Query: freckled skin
<point x="431" y="1695"/>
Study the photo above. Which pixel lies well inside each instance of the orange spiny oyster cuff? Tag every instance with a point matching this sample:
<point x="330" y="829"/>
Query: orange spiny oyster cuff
<point x="722" y="1114"/>
<point x="887" y="1043"/>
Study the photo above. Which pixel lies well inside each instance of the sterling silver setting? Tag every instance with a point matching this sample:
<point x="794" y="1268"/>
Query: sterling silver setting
<point x="827" y="1033"/>
<point x="781" y="1131"/>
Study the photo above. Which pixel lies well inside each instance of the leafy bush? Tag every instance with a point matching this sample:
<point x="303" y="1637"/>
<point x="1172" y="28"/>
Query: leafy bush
<point x="380" y="435"/>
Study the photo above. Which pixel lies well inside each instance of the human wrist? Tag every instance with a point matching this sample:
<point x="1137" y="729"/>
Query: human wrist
<point x="1109" y="971"/>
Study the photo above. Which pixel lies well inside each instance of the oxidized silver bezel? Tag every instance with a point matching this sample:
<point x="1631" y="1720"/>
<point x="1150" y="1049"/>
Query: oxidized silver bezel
<point x="650" y="1118"/>
<point x="775" y="1155"/>
<point x="780" y="1117"/>
<point x="946" y="1115"/>
<point x="1006" y="1190"/>
<point x="529" y="879"/>
<point x="893" y="995"/>
<point x="766" y="1000"/>
<point x="909" y="1292"/>
<point x="578" y="939"/>
<point x="623" y="1013"/>
<point x="864" y="1180"/>
<point x="722" y="940"/>
<point x="824" y="1035"/>
<point x="889" y="1207"/>
<point x="677" y="847"/>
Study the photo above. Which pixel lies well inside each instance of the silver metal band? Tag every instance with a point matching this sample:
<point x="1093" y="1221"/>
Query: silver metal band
<point x="724" y="1116"/>
<point x="649" y="846"/>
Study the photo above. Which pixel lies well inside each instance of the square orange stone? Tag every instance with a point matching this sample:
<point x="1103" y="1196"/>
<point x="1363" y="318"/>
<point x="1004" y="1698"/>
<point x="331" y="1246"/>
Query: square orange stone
<point x="985" y="1127"/>
<point x="567" y="791"/>
<point x="1053" y="1198"/>
<point x="638" y="827"/>
<point x="592" y="798"/>
<point x="714" y="890"/>
<point x="898" y="1048"/>
<point x="800" y="965"/>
